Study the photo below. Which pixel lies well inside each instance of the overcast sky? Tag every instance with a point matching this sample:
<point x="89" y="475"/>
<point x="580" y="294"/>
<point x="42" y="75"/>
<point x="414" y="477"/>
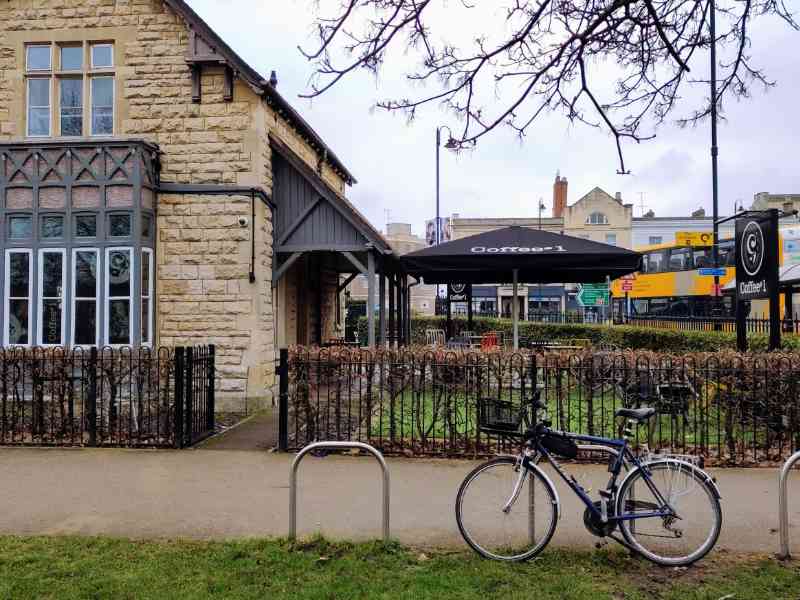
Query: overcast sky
<point x="503" y="177"/>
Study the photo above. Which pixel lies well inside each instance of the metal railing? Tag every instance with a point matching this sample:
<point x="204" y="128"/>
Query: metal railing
<point x="727" y="408"/>
<point x="783" y="505"/>
<point x="120" y="397"/>
<point x="726" y="324"/>
<point x="336" y="446"/>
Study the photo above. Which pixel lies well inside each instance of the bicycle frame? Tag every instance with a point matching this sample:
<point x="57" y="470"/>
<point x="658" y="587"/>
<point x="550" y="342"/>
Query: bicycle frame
<point x="622" y="453"/>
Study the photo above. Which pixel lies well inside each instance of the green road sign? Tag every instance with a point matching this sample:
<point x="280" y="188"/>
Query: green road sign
<point x="593" y="294"/>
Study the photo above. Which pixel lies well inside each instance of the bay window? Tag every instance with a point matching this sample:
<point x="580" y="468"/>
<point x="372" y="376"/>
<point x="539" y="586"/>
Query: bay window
<point x="146" y="293"/>
<point x="85" y="291"/>
<point x="18" y="292"/>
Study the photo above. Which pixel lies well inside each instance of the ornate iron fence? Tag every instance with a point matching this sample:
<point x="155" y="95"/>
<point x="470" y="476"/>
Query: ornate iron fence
<point x="728" y="408"/>
<point x="106" y="397"/>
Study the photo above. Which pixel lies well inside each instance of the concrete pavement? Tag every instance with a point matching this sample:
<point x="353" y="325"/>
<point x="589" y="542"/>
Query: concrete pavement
<point x="228" y="494"/>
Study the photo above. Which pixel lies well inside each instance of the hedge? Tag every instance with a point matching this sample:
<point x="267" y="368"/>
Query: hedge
<point x="621" y="336"/>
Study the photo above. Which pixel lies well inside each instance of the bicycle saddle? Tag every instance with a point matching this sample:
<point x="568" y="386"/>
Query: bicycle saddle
<point x="637" y="414"/>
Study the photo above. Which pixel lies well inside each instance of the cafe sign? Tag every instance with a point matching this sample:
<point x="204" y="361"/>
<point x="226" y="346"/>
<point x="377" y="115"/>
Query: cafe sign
<point x="756" y="257"/>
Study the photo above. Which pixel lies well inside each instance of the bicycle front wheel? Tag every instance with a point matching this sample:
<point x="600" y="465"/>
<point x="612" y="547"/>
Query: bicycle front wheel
<point x="670" y="541"/>
<point x="505" y="513"/>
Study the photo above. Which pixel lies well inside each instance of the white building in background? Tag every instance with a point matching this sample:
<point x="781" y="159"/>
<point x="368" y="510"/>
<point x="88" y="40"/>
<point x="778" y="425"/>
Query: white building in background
<point x="649" y="230"/>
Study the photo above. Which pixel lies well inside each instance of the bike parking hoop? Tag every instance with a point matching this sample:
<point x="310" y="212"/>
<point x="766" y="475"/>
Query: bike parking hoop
<point x="783" y="505"/>
<point x="336" y="446"/>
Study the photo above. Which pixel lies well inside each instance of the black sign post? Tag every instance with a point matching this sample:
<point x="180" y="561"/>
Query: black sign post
<point x="757" y="271"/>
<point x="458" y="292"/>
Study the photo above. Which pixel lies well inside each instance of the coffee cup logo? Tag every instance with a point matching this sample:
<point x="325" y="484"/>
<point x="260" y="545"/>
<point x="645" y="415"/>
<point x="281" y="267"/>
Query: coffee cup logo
<point x="752" y="248"/>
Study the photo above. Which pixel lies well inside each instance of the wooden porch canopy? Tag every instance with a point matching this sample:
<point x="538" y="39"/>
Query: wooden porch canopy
<point x="313" y="219"/>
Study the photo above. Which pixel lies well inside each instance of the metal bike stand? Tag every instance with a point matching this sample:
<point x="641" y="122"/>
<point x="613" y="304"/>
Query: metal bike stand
<point x="783" y="504"/>
<point x="336" y="446"/>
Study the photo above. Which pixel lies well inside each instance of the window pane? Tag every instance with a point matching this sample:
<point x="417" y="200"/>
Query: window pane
<point x="52" y="264"/>
<point x="102" y="56"/>
<point x="52" y="227"/>
<point x="20" y="227"/>
<point x="38" y="107"/>
<point x="85" y="274"/>
<point x="145" y="320"/>
<point x="120" y="225"/>
<point x="51" y="321"/>
<point x="145" y="273"/>
<point x="146" y="226"/>
<point x="71" y="58"/>
<point x="119" y="321"/>
<point x="86" y="226"/>
<point x="19" y="274"/>
<point x="71" y="107"/>
<point x="18" y="321"/>
<point x="102" y="106"/>
<point x="39" y="92"/>
<point x="85" y="322"/>
<point x="119" y="273"/>
<point x="38" y="58"/>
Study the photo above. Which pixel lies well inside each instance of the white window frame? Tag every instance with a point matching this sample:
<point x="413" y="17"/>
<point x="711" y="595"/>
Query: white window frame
<point x="74" y="299"/>
<point x="28" y="106"/>
<point x="27" y="66"/>
<point x="109" y="297"/>
<point x="148" y="297"/>
<point x="655" y="237"/>
<point x="61" y="61"/>
<point x="602" y="221"/>
<point x="40" y="298"/>
<point x="91" y="104"/>
<point x="91" y="56"/>
<point x="611" y="235"/>
<point x="7" y="294"/>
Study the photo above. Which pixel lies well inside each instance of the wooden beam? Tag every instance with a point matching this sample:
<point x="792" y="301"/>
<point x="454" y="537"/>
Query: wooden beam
<point x="227" y="89"/>
<point x="357" y="263"/>
<point x="281" y="271"/>
<point x="346" y="282"/>
<point x="297" y="222"/>
<point x="371" y="300"/>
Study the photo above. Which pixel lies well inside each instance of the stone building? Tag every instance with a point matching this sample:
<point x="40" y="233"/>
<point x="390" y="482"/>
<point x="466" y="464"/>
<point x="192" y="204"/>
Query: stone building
<point x="155" y="189"/>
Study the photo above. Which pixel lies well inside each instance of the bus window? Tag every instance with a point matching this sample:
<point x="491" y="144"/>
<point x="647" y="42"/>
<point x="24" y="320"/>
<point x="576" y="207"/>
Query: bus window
<point x="679" y="307"/>
<point x="659" y="306"/>
<point x="702" y="258"/>
<point x="639" y="306"/>
<point x="655" y="262"/>
<point x="680" y="259"/>
<point x="727" y="254"/>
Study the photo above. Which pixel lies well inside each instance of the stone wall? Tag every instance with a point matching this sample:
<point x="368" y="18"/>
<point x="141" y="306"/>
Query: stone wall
<point x="203" y="254"/>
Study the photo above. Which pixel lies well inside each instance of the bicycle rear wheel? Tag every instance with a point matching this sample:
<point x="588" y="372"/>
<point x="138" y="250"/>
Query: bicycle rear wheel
<point x="671" y="541"/>
<point x="502" y="517"/>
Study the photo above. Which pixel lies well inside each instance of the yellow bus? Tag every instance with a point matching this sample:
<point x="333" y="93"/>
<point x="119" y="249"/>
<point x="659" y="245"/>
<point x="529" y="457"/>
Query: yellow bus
<point x="670" y="284"/>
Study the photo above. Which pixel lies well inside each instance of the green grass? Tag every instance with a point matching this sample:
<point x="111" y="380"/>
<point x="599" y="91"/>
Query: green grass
<point x="68" y="567"/>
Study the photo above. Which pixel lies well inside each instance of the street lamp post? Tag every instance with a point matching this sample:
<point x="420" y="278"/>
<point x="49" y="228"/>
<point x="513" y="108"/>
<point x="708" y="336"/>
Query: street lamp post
<point x="714" y="152"/>
<point x="450" y="145"/>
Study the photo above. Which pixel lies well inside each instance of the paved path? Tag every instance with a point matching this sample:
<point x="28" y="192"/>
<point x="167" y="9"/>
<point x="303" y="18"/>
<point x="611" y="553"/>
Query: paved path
<point x="227" y="494"/>
<point x="258" y="432"/>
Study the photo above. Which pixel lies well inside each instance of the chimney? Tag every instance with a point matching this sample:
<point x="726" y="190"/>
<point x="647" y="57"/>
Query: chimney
<point x="559" y="196"/>
<point x="699" y="213"/>
<point x="618" y="197"/>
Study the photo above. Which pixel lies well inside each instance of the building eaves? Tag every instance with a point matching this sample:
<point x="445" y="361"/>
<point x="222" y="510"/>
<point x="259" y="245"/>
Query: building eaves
<point x="261" y="86"/>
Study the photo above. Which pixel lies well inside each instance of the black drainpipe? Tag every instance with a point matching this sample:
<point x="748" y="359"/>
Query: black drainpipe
<point x="227" y="190"/>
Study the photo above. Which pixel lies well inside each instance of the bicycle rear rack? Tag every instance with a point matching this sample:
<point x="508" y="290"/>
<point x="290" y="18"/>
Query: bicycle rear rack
<point x="783" y="505"/>
<point x="335" y="446"/>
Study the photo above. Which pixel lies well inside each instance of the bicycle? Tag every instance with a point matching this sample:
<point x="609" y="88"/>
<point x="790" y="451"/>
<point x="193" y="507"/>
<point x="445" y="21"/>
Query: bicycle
<point x="650" y="506"/>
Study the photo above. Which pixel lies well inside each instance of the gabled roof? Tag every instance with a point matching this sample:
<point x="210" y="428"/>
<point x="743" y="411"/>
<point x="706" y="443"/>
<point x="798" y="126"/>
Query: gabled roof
<point x="261" y="85"/>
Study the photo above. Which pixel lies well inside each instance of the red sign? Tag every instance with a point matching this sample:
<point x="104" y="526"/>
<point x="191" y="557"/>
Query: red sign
<point x="716" y="289"/>
<point x="628" y="277"/>
<point x="627" y="286"/>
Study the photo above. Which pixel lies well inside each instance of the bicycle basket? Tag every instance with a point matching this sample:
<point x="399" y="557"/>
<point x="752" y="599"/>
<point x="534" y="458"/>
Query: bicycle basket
<point x="560" y="445"/>
<point x="498" y="416"/>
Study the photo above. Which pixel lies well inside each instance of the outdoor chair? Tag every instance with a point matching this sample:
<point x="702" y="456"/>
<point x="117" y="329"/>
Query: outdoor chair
<point x="489" y="340"/>
<point x="434" y="337"/>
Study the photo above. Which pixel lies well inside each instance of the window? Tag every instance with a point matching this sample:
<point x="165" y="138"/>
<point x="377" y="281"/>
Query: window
<point x="61" y="90"/>
<point x="72" y="58"/>
<point x="85" y="226"/>
<point x="71" y="107"/>
<point x="38" y="57"/>
<point x="702" y="258"/>
<point x="102" y="56"/>
<point x="102" y="105"/>
<point x="18" y="298"/>
<point x="653" y="262"/>
<point x="655" y="239"/>
<point x="119" y="225"/>
<point x="611" y="238"/>
<point x="147" y="226"/>
<point x="52" y="227"/>
<point x="52" y="268"/>
<point x="680" y="259"/>
<point x="147" y="287"/>
<point x="39" y="107"/>
<point x="84" y="296"/>
<point x="597" y="218"/>
<point x="119" y="266"/>
<point x="20" y="227"/>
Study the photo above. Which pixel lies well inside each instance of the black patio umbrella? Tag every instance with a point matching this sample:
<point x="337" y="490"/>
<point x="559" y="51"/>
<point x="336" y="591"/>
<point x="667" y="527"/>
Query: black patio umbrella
<point x="520" y="254"/>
